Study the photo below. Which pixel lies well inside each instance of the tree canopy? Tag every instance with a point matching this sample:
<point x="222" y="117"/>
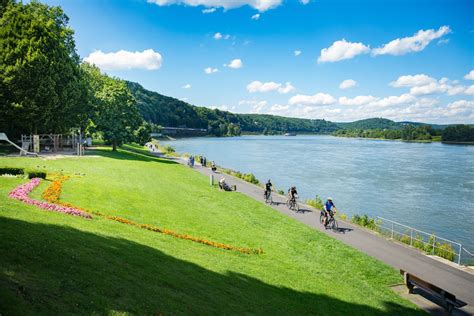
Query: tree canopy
<point x="41" y="87"/>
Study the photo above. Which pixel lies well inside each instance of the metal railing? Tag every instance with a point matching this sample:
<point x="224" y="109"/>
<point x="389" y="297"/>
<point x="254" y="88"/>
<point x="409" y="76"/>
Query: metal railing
<point x="427" y="242"/>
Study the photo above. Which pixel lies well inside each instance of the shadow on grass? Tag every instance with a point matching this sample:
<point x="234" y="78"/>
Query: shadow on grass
<point x="56" y="270"/>
<point x="123" y="154"/>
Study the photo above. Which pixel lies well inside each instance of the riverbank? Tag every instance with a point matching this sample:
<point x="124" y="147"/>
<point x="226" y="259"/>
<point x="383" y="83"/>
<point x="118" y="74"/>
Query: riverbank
<point x="397" y="140"/>
<point x="65" y="264"/>
<point x="456" y="279"/>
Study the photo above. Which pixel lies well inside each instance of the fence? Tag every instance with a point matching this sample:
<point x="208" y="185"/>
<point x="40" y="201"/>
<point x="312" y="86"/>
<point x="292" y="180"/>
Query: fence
<point x="429" y="243"/>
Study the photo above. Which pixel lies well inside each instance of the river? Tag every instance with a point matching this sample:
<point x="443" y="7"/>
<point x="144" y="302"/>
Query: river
<point x="429" y="186"/>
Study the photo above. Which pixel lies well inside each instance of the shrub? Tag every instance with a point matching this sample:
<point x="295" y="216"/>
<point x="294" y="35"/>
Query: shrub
<point x="445" y="250"/>
<point x="169" y="149"/>
<point x="343" y="216"/>
<point x="12" y="171"/>
<point x="249" y="177"/>
<point x="317" y="203"/>
<point x="282" y="192"/>
<point x="418" y="242"/>
<point x="37" y="174"/>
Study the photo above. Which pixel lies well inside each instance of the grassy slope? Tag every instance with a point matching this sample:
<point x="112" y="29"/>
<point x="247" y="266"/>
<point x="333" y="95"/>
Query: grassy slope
<point x="59" y="264"/>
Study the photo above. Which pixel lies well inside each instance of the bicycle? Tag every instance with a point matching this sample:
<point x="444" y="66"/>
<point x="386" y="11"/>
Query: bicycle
<point x="268" y="197"/>
<point x="292" y="204"/>
<point x="331" y="221"/>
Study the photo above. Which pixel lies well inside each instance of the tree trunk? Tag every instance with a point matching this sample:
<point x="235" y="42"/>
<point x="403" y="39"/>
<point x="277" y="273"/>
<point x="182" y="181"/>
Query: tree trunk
<point x="114" y="145"/>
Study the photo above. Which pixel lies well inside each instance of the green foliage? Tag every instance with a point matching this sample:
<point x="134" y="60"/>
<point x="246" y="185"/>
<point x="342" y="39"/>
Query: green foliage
<point x="41" y="84"/>
<point x="317" y="203"/>
<point x="445" y="250"/>
<point x="408" y="132"/>
<point x="142" y="134"/>
<point x="372" y="123"/>
<point x="12" y="170"/>
<point x="365" y="221"/>
<point x="37" y="174"/>
<point x="116" y="115"/>
<point x="458" y="133"/>
<point x="169" y="149"/>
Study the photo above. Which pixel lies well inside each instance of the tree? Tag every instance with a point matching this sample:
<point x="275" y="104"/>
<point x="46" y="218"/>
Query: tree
<point x="142" y="134"/>
<point x="458" y="133"/>
<point x="41" y="88"/>
<point x="116" y="114"/>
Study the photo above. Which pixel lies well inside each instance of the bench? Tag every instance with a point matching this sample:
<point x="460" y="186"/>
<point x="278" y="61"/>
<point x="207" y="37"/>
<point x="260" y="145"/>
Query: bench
<point x="449" y="300"/>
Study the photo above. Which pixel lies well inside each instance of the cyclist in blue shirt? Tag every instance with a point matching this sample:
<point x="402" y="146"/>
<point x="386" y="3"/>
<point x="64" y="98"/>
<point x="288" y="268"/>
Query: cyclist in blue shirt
<point x="328" y="209"/>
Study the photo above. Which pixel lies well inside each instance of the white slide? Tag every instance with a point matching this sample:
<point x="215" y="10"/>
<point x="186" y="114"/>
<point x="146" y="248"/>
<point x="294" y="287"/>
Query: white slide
<point x="4" y="137"/>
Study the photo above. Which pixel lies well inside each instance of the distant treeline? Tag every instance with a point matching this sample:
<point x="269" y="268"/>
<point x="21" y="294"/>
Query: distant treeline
<point x="455" y="133"/>
<point x="166" y="111"/>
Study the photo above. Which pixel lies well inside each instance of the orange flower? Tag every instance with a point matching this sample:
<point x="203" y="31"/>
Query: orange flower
<point x="53" y="193"/>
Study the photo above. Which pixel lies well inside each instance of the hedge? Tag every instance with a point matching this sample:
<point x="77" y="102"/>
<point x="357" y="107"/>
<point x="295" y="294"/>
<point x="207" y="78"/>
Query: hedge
<point x="12" y="171"/>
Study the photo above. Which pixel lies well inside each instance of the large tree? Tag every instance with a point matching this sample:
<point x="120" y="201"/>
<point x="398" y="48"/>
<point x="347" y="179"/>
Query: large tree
<point x="41" y="87"/>
<point x="116" y="114"/>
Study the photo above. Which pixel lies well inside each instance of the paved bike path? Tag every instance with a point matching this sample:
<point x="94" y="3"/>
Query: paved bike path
<point x="399" y="256"/>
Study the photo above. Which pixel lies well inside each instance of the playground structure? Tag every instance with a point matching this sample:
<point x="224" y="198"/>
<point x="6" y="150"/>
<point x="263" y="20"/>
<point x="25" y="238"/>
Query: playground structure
<point x="4" y="137"/>
<point x="32" y="145"/>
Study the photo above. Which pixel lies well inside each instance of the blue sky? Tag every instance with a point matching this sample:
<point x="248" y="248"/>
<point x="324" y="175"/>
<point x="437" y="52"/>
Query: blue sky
<point x="404" y="60"/>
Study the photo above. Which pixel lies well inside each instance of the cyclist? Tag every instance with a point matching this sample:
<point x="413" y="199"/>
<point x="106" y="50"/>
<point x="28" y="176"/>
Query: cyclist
<point x="328" y="209"/>
<point x="292" y="194"/>
<point x="268" y="189"/>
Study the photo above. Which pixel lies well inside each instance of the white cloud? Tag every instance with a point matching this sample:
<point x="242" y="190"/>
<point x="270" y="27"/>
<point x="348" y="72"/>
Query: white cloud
<point x="342" y="49"/>
<point x="297" y="52"/>
<point x="470" y="75"/>
<point x="257" y="106"/>
<point x="358" y="100"/>
<point x="412" y="81"/>
<point x="186" y="86"/>
<point x="255" y="16"/>
<point x="423" y="85"/>
<point x="415" y="43"/>
<point x="210" y="10"/>
<point x="395" y="100"/>
<point x="469" y="90"/>
<point x="125" y="60"/>
<point x="287" y="88"/>
<point x="305" y="2"/>
<point x="260" y="5"/>
<point x="258" y="86"/>
<point x="219" y="36"/>
<point x="223" y="107"/>
<point x="443" y="41"/>
<point x="235" y="64"/>
<point x="348" y="83"/>
<point x="210" y="70"/>
<point x="318" y="99"/>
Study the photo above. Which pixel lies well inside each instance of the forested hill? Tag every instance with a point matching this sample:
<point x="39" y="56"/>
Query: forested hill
<point x="372" y="123"/>
<point x="168" y="111"/>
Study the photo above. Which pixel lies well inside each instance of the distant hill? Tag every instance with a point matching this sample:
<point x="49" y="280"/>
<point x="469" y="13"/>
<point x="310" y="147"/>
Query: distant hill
<point x="372" y="123"/>
<point x="171" y="112"/>
<point x="434" y="126"/>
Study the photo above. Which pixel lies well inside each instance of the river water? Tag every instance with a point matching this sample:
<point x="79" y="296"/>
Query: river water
<point x="429" y="186"/>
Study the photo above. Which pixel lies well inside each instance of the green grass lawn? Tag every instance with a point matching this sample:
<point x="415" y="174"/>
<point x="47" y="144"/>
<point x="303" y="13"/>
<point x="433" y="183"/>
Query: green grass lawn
<point x="59" y="264"/>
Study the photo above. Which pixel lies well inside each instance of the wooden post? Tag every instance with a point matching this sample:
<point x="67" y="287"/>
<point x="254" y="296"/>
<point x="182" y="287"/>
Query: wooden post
<point x="211" y="180"/>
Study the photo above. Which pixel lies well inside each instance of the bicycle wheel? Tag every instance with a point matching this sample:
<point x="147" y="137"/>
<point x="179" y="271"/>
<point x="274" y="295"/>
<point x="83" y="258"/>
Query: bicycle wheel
<point x="321" y="218"/>
<point x="333" y="224"/>
<point x="296" y="207"/>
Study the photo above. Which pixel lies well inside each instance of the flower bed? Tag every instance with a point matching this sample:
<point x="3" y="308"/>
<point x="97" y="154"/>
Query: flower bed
<point x="53" y="193"/>
<point x="21" y="193"/>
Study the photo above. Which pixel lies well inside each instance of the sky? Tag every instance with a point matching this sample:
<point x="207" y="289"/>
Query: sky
<point x="340" y="60"/>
